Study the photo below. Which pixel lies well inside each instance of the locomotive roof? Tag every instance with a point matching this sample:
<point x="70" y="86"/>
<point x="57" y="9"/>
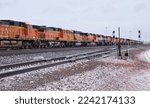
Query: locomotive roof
<point x="11" y="22"/>
<point x="54" y="28"/>
<point x="39" y="27"/>
<point x="3" y="22"/>
<point x="77" y="32"/>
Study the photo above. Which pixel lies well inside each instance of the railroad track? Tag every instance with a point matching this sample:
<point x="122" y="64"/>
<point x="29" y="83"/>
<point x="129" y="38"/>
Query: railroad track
<point x="34" y="51"/>
<point x="20" y="68"/>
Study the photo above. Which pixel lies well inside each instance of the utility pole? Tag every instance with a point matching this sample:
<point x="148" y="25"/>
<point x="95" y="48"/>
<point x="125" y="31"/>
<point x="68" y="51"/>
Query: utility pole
<point x="119" y="45"/>
<point x="106" y="36"/>
<point x="127" y="51"/>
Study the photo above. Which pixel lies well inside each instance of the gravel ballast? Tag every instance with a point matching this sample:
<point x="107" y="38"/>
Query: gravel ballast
<point x="101" y="74"/>
<point x="5" y="60"/>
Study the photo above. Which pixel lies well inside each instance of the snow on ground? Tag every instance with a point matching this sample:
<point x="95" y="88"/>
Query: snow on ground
<point x="142" y="82"/>
<point x="97" y="79"/>
<point x="97" y="74"/>
<point x="147" y="55"/>
<point x="104" y="77"/>
<point x="21" y="81"/>
<point x="111" y="74"/>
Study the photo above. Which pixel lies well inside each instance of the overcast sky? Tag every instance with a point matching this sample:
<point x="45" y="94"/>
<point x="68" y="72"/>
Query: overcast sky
<point x="84" y="15"/>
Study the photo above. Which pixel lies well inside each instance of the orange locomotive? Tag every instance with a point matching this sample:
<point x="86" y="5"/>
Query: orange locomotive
<point x="23" y="35"/>
<point x="17" y="34"/>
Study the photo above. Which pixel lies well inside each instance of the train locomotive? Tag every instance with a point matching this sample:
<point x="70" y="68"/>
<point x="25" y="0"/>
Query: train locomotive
<point x="16" y="34"/>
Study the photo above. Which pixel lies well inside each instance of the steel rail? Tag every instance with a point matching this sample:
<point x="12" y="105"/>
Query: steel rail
<point x="64" y="61"/>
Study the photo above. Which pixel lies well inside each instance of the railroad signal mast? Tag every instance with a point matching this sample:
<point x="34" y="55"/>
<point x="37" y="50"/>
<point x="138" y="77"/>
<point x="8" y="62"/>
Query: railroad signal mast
<point x="139" y="35"/>
<point x="113" y="34"/>
<point x="119" y="45"/>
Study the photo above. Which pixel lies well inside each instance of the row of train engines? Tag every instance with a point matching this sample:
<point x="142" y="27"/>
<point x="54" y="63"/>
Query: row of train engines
<point x="17" y="34"/>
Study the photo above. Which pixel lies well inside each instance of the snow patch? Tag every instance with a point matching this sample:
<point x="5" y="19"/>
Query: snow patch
<point x="147" y="55"/>
<point x="142" y="82"/>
